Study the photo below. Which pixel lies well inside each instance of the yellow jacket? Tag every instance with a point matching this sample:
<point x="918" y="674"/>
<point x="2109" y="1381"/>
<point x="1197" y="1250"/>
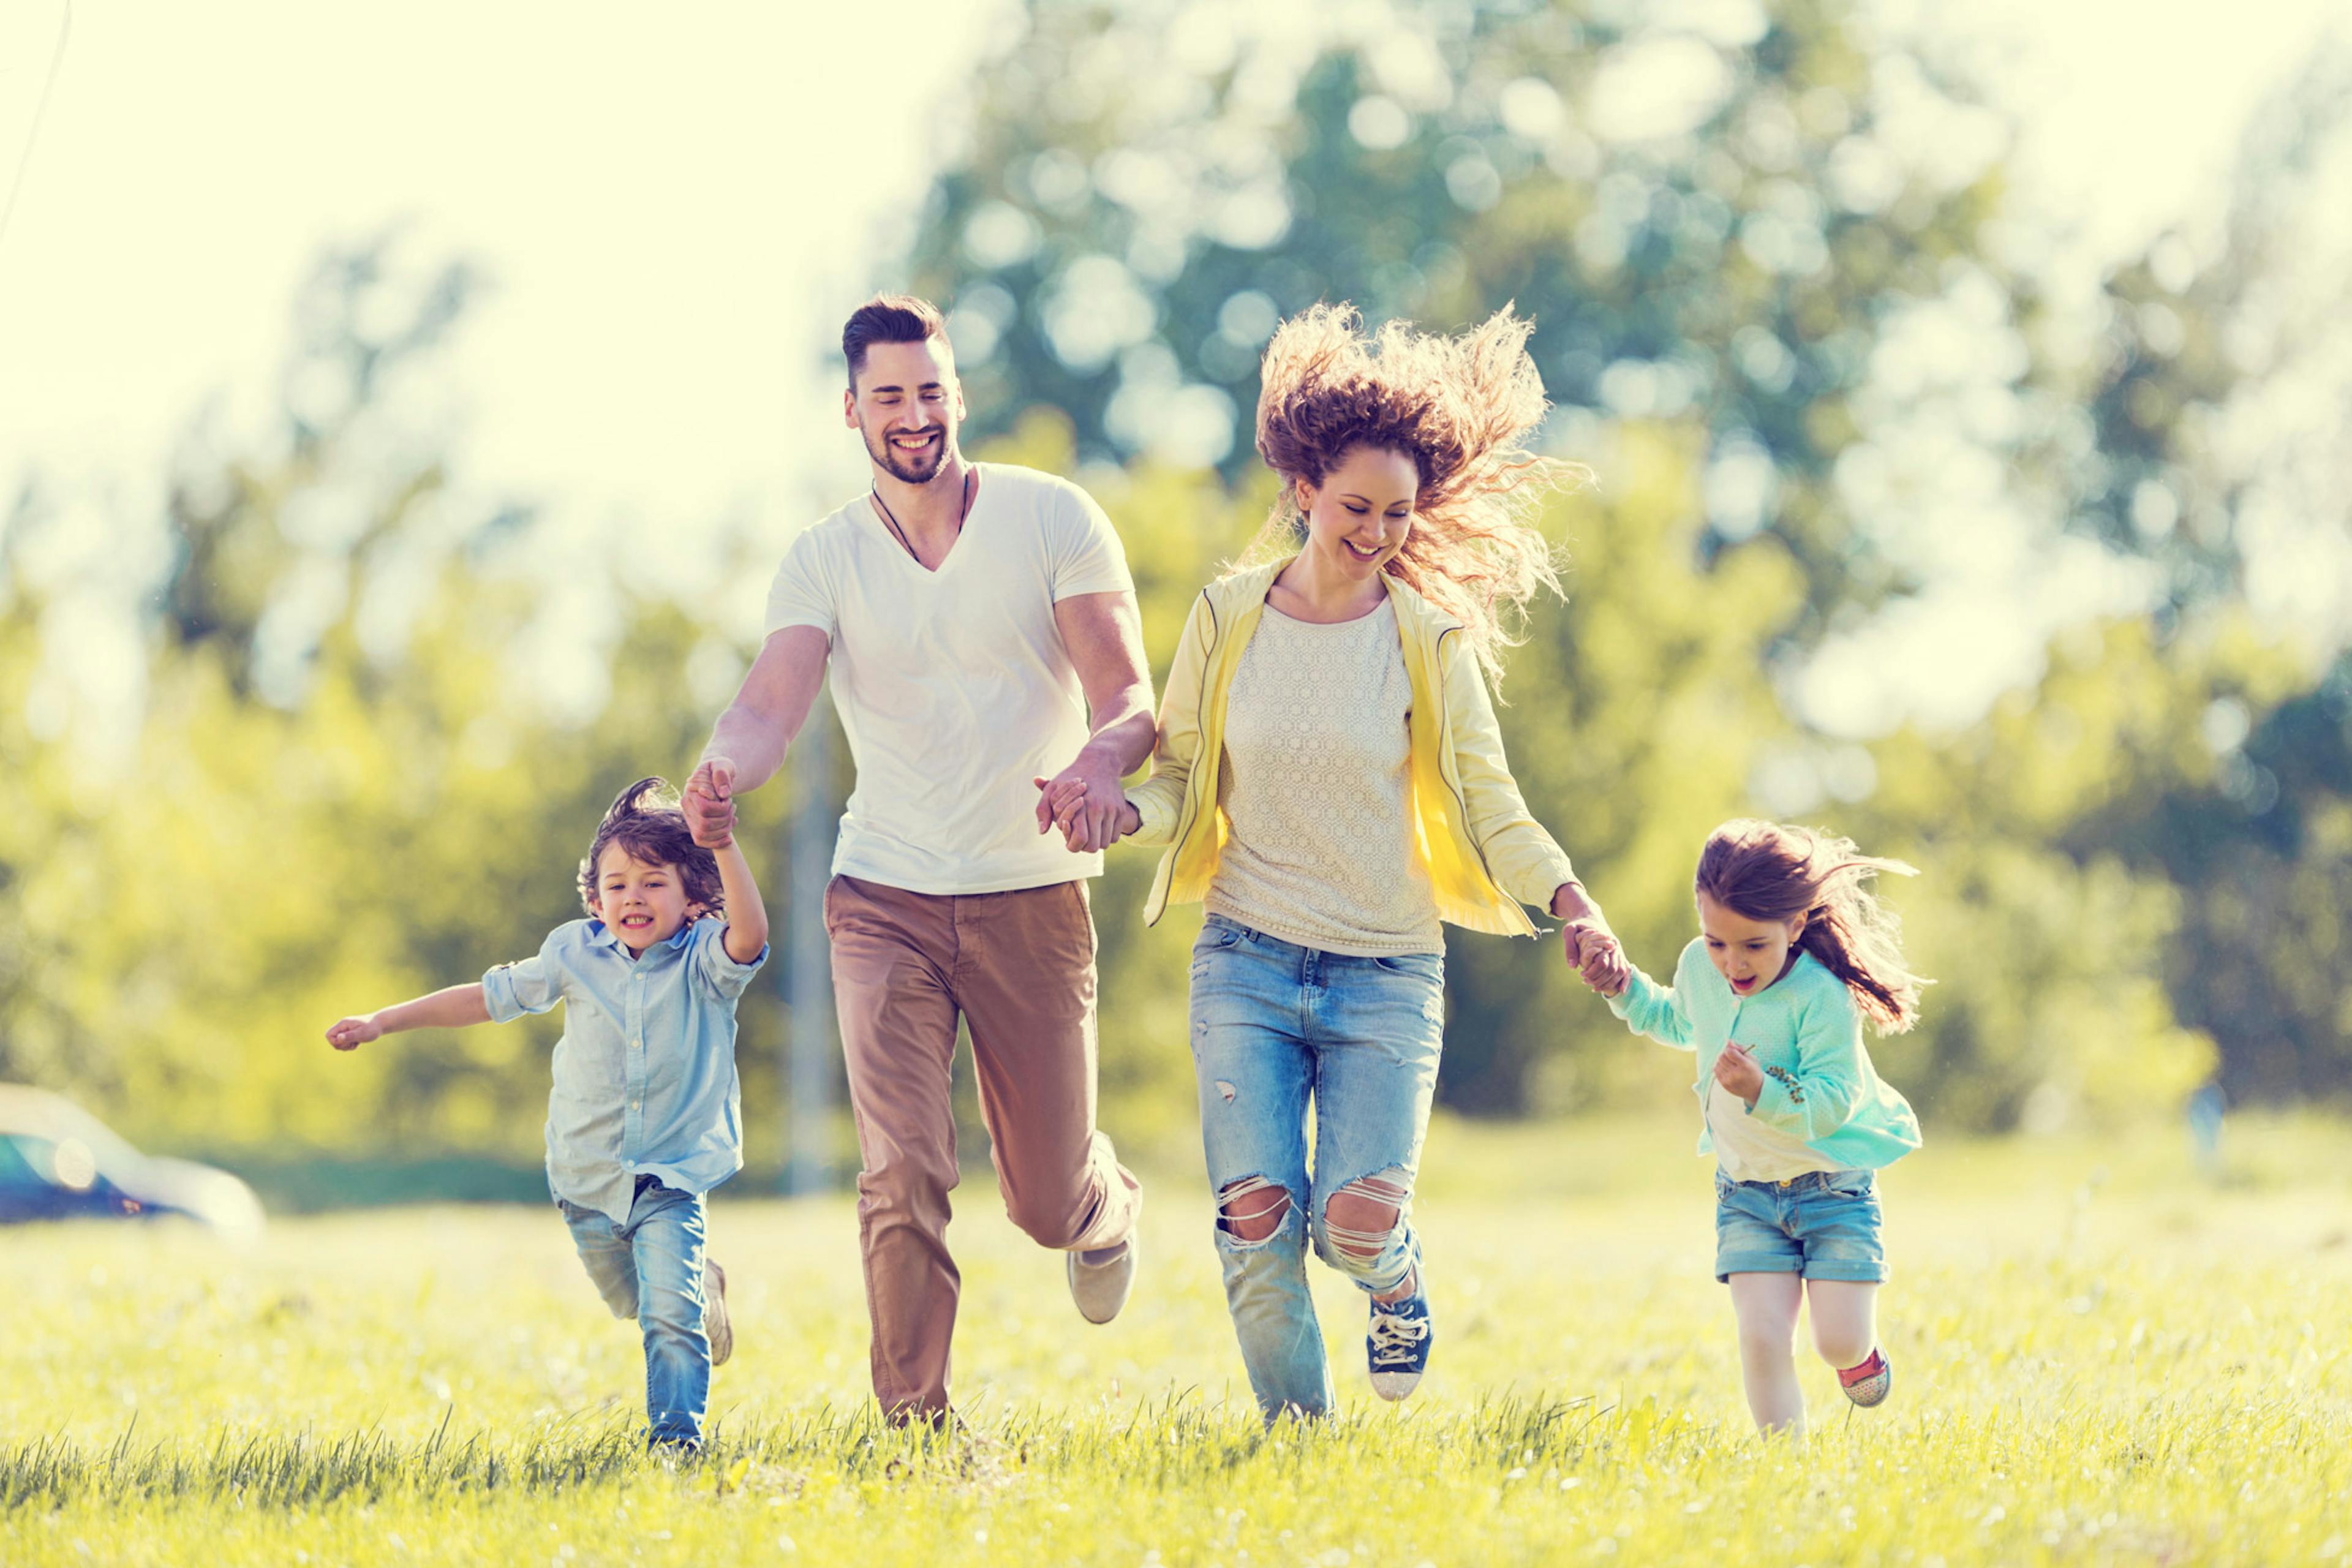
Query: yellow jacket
<point x="1485" y="854"/>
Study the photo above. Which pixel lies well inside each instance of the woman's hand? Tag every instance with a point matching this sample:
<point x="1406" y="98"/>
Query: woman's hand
<point x="350" y="1033"/>
<point x="1088" y="821"/>
<point x="1735" y="1069"/>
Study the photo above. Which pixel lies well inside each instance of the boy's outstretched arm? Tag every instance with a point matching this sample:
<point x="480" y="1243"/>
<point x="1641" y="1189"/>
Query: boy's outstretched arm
<point x="747" y="916"/>
<point x="451" y="1008"/>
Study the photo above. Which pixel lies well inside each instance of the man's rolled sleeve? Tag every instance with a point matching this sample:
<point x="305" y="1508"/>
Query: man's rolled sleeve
<point x="714" y="968"/>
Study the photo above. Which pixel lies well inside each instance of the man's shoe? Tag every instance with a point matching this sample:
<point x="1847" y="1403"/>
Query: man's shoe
<point x="1100" y="1288"/>
<point x="715" y="1326"/>
<point x="1397" y="1348"/>
<point x="1867" y="1385"/>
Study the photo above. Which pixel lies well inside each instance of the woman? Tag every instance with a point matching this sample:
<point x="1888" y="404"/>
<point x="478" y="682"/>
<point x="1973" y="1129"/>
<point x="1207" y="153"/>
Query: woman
<point x="1331" y="780"/>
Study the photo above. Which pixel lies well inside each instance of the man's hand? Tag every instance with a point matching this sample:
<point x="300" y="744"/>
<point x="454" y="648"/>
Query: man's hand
<point x="350" y="1033"/>
<point x="1735" y="1069"/>
<point x="1592" y="950"/>
<point x="1086" y="802"/>
<point x="709" y="802"/>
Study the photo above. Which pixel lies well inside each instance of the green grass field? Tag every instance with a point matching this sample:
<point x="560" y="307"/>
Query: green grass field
<point x="2099" y="1357"/>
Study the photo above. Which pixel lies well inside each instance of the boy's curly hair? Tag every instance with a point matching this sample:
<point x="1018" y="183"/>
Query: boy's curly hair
<point x="1463" y="409"/>
<point x="646" y="821"/>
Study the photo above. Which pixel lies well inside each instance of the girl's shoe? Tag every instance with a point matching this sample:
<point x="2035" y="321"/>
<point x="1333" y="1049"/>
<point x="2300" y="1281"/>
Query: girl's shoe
<point x="715" y="1326"/>
<point x="1867" y="1385"/>
<point x="1397" y="1348"/>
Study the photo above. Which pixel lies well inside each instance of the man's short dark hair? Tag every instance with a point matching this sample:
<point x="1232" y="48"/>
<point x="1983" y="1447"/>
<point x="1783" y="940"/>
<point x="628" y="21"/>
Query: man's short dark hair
<point x="888" y="319"/>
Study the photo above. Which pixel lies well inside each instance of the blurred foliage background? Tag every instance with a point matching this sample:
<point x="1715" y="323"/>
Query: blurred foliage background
<point x="1788" y="314"/>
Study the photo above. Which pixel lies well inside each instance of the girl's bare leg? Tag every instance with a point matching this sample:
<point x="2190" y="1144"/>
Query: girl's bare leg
<point x="1845" y="1320"/>
<point x="1767" y="1309"/>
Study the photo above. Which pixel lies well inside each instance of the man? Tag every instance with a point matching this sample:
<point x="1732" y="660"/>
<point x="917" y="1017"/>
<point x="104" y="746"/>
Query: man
<point x="982" y="636"/>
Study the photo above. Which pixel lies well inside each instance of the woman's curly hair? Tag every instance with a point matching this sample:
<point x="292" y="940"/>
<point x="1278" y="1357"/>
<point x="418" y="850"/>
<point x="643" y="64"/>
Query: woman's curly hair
<point x="1462" y="408"/>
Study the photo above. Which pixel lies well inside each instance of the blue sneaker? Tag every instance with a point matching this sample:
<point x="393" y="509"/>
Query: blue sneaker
<point x="1397" y="1348"/>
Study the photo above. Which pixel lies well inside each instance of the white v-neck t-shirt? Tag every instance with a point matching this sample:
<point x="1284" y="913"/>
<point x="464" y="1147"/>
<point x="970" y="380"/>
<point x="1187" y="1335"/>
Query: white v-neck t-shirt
<point x="954" y="686"/>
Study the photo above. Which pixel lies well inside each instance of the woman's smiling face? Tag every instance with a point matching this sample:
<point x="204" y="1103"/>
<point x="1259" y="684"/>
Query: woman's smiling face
<point x="1748" y="954"/>
<point x="1360" y="515"/>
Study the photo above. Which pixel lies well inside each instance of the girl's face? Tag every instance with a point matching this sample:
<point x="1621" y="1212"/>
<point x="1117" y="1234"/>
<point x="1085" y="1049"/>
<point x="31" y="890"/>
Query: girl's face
<point x="640" y="904"/>
<point x="1360" y="515"/>
<point x="1748" y="954"/>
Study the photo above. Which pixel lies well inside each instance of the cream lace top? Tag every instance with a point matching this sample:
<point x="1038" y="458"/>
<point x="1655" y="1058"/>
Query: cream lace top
<point x="1316" y="794"/>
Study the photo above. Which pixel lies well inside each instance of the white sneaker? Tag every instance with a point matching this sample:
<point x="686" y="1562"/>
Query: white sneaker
<point x="1100" y="1288"/>
<point x="715" y="1326"/>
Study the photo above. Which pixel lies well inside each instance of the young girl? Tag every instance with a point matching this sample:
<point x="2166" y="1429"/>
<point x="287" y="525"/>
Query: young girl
<point x="1330" y="781"/>
<point x="1793" y="953"/>
<point x="644" y="1116"/>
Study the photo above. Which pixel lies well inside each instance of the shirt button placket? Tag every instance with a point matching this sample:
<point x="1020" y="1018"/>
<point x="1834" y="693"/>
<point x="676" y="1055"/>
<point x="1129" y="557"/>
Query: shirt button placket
<point x="636" y="1070"/>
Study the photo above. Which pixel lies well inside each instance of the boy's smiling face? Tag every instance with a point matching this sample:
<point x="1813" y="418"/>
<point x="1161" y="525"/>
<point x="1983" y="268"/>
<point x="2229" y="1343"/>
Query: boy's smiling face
<point x="640" y="904"/>
<point x="1749" y="954"/>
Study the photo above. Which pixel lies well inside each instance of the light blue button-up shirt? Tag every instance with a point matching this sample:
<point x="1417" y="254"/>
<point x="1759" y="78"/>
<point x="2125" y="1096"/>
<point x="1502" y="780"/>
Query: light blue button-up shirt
<point x="645" y="1075"/>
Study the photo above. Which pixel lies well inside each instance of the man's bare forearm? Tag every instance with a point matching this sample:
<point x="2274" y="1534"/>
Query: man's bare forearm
<point x="774" y="700"/>
<point x="1124" y="739"/>
<point x="754" y="742"/>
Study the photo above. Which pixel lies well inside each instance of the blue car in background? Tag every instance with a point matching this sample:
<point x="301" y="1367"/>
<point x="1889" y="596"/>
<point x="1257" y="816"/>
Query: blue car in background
<point x="58" y="1161"/>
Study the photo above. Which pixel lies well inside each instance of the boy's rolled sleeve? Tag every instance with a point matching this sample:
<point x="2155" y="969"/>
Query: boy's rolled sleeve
<point x="532" y="986"/>
<point x="714" y="968"/>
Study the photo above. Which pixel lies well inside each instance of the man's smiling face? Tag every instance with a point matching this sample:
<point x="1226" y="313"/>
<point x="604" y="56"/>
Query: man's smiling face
<point x="906" y="402"/>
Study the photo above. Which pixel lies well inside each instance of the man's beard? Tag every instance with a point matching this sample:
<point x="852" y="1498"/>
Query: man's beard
<point x="919" y="469"/>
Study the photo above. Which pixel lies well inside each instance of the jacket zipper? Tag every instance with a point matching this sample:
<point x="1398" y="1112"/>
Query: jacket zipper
<point x="1444" y="731"/>
<point x="1208" y="665"/>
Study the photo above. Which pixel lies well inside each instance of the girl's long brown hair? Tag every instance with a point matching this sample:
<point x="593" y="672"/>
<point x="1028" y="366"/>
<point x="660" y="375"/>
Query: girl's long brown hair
<point x="1766" y="872"/>
<point x="1463" y="409"/>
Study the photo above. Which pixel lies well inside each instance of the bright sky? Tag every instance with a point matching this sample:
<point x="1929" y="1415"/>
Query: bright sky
<point x="674" y="216"/>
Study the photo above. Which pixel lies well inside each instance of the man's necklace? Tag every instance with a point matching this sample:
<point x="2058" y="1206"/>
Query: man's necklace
<point x="900" y="534"/>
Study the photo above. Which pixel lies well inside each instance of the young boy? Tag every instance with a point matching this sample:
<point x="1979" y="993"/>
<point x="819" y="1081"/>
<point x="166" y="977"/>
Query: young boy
<point x="645" y="1116"/>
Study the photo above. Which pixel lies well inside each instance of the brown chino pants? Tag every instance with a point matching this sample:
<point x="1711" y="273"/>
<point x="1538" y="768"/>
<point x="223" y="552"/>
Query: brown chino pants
<point x="1020" y="969"/>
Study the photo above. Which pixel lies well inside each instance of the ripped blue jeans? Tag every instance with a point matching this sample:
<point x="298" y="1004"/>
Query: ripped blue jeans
<point x="1276" y="1028"/>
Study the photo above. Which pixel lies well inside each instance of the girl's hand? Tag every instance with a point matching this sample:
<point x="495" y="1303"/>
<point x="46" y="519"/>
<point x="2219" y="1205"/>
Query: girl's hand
<point x="1595" y="953"/>
<point x="350" y="1033"/>
<point x="1735" y="1069"/>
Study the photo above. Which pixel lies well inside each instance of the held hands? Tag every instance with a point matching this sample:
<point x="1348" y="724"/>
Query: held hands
<point x="1592" y="950"/>
<point x="1085" y="801"/>
<point x="350" y="1033"/>
<point x="1735" y="1069"/>
<point x="709" y="802"/>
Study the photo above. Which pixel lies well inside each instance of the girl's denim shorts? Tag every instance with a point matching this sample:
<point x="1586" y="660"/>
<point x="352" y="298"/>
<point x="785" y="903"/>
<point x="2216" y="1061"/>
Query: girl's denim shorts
<point x="1823" y="1225"/>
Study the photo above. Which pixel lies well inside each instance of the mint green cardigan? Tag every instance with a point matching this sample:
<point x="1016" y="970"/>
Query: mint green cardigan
<point x="1806" y="1033"/>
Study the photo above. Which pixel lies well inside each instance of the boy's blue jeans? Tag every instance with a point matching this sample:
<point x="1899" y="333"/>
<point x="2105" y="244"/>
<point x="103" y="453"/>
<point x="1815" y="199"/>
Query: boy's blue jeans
<point x="651" y="1270"/>
<point x="1274" y="1027"/>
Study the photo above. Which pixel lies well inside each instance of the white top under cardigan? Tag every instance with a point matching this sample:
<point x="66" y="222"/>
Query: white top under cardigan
<point x="1318" y="795"/>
